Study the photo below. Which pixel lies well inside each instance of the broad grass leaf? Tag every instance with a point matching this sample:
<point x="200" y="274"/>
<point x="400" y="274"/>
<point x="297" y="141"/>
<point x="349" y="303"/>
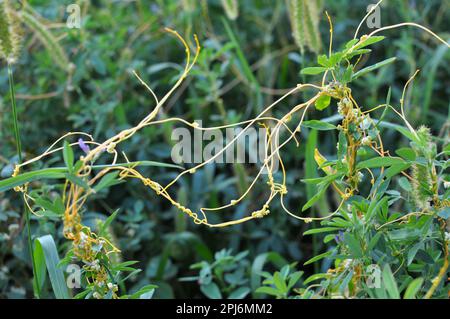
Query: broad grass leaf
<point x="372" y="68"/>
<point x="413" y="288"/>
<point x="318" y="257"/>
<point x="47" y="173"/>
<point x="319" y="125"/>
<point x="45" y="247"/>
<point x="389" y="283"/>
<point x="320" y="230"/>
<point x="380" y="162"/>
<point x="68" y="156"/>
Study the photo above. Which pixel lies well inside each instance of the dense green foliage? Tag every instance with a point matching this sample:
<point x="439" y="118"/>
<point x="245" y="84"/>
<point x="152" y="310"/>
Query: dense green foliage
<point x="390" y="210"/>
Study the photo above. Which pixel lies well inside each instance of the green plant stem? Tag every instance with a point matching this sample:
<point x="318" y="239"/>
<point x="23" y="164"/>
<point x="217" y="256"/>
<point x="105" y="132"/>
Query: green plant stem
<point x="443" y="271"/>
<point x="14" y="113"/>
<point x="36" y="288"/>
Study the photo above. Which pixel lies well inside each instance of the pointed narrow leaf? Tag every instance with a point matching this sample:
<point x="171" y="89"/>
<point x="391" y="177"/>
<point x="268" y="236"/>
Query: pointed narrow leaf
<point x="413" y="288"/>
<point x="372" y="68"/>
<point x="68" y="156"/>
<point x="389" y="283"/>
<point x="313" y="70"/>
<point x="46" y="245"/>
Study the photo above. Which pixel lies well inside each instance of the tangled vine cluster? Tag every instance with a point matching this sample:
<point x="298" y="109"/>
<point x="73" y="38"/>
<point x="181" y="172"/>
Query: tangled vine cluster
<point x="357" y="130"/>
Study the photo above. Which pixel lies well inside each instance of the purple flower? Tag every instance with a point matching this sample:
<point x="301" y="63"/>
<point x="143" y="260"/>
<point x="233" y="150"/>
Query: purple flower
<point x="83" y="146"/>
<point x="339" y="237"/>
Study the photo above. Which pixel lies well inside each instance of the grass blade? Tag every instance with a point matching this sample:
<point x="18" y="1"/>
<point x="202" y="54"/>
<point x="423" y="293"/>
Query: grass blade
<point x="373" y="67"/>
<point x="19" y="154"/>
<point x="47" y="173"/>
<point x="45" y="249"/>
<point x="59" y="172"/>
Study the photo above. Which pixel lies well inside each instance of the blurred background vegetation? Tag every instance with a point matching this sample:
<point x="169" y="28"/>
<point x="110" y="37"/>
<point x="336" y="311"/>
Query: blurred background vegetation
<point x="248" y="59"/>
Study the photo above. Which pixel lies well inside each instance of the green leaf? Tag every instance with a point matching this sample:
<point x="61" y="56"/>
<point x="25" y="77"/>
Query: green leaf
<point x="323" y="179"/>
<point x="372" y="68"/>
<point x="357" y="52"/>
<point x="368" y="41"/>
<point x="107" y="181"/>
<point x="412" y="252"/>
<point x="413" y="288"/>
<point x="406" y="132"/>
<point x="335" y="59"/>
<point x="446" y="149"/>
<point x="145" y="292"/>
<point x="405" y="184"/>
<point x="68" y="156"/>
<point x="396" y="168"/>
<point x="389" y="283"/>
<point x="374" y="241"/>
<point x="313" y="70"/>
<point x="329" y="238"/>
<point x="351" y="43"/>
<point x="320" y="230"/>
<point x="239" y="293"/>
<point x="107" y="222"/>
<point x="47" y="173"/>
<point x="268" y="291"/>
<point x="41" y="271"/>
<point x="315" y="277"/>
<point x="258" y="265"/>
<point x="345" y="281"/>
<point x="44" y="247"/>
<point x="245" y="66"/>
<point x="50" y="209"/>
<point x="211" y="291"/>
<point x="319" y="125"/>
<point x="380" y="162"/>
<point x="406" y="153"/>
<point x="125" y="265"/>
<point x="294" y="278"/>
<point x="348" y="74"/>
<point x="59" y="173"/>
<point x="77" y="180"/>
<point x="321" y="190"/>
<point x="322" y="102"/>
<point x="354" y="245"/>
<point x="323" y="60"/>
<point x="279" y="282"/>
<point x="318" y="257"/>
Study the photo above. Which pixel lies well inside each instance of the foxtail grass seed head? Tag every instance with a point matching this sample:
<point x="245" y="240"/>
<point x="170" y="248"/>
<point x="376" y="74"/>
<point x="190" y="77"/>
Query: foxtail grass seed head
<point x="304" y="17"/>
<point x="48" y="40"/>
<point x="425" y="146"/>
<point x="423" y="173"/>
<point x="10" y="37"/>
<point x="231" y="8"/>
<point x="421" y="186"/>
